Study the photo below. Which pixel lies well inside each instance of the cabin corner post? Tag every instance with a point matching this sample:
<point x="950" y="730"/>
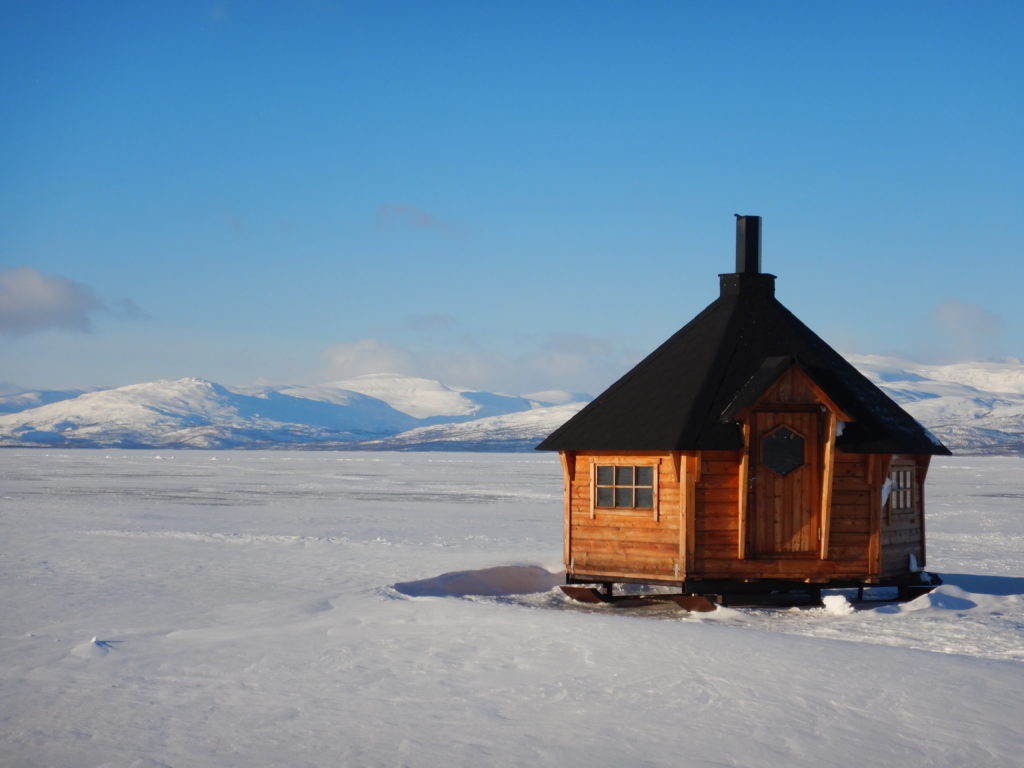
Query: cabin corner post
<point x="689" y="475"/>
<point x="568" y="459"/>
<point x="656" y="480"/>
<point x="677" y="465"/>
<point x="743" y="481"/>
<point x="677" y="462"/>
<point x="922" y="463"/>
<point x="828" y="470"/>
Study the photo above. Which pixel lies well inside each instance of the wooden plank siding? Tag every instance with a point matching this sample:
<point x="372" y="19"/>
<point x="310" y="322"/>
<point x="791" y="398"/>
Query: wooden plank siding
<point x="902" y="533"/>
<point x="850" y="524"/>
<point x="833" y="486"/>
<point x="671" y="546"/>
<point x="625" y="543"/>
<point x="718" y="525"/>
<point x="717" y="520"/>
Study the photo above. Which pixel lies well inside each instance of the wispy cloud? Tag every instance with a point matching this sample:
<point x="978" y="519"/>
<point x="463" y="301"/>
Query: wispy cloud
<point x="404" y="215"/>
<point x="357" y="358"/>
<point x="31" y="301"/>
<point x="970" y="332"/>
<point x="126" y="309"/>
<point x="561" y="361"/>
<point x="577" y="344"/>
<point x="217" y="11"/>
<point x="428" y="322"/>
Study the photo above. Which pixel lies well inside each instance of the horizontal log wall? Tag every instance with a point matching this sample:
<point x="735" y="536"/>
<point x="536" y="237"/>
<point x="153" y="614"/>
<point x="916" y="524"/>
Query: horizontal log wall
<point x="902" y="533"/>
<point x="850" y="528"/>
<point x="637" y="544"/>
<point x="630" y="543"/>
<point x="717" y="525"/>
<point x="717" y="514"/>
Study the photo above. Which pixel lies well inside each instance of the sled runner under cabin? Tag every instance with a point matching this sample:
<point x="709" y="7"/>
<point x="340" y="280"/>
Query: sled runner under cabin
<point x="744" y="454"/>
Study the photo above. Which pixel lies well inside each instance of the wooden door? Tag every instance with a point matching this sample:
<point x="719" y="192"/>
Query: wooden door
<point x="784" y="496"/>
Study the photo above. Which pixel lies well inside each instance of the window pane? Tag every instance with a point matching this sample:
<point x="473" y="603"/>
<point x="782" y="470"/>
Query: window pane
<point x="644" y="476"/>
<point x="623" y="497"/>
<point x="605" y="497"/>
<point x="624" y="476"/>
<point x="605" y="476"/>
<point x="645" y="498"/>
<point x="902" y="496"/>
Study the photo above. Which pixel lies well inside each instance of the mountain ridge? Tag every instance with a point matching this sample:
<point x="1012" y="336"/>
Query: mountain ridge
<point x="974" y="408"/>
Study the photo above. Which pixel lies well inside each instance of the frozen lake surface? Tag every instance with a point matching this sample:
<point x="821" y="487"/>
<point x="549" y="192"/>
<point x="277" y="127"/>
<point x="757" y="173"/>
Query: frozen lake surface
<point x="241" y="609"/>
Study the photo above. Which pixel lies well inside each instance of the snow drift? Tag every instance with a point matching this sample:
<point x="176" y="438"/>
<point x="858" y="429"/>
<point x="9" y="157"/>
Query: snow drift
<point x="493" y="582"/>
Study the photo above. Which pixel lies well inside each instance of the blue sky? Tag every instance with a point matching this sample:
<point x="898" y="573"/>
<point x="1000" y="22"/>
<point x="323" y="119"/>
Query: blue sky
<point x="504" y="195"/>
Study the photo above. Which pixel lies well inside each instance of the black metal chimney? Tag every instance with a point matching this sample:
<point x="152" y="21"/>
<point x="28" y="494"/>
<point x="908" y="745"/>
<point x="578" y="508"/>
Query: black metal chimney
<point x="748" y="245"/>
<point x="748" y="280"/>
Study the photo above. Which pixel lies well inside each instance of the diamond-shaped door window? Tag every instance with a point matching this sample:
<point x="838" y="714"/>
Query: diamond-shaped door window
<point x="782" y="451"/>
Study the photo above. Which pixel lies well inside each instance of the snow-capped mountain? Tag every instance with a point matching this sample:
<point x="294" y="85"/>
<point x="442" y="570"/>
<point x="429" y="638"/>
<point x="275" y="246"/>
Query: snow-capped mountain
<point x="972" y="407"/>
<point x="508" y="432"/>
<point x="19" y="401"/>
<point x="194" y="413"/>
<point x="424" y="399"/>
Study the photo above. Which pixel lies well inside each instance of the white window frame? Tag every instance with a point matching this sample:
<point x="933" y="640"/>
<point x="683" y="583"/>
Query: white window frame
<point x="902" y="491"/>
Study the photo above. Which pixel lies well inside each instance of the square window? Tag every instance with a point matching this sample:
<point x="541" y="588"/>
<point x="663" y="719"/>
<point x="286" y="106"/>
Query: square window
<point x="623" y="486"/>
<point x="901" y="491"/>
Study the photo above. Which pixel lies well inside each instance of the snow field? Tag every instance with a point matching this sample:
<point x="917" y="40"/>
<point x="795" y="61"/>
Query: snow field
<point x="322" y="609"/>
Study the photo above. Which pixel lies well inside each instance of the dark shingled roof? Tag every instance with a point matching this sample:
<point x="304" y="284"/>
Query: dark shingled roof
<point x="684" y="394"/>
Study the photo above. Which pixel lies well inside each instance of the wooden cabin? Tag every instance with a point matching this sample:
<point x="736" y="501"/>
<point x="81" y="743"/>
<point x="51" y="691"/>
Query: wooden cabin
<point x="744" y="454"/>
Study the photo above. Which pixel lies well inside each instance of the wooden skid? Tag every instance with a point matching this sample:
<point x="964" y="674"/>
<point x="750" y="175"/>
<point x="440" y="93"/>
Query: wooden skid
<point x="585" y="594"/>
<point x="695" y="603"/>
<point x="593" y="595"/>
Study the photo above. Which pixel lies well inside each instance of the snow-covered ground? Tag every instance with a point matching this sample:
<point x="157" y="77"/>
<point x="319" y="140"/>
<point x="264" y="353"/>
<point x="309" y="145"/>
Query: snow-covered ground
<point x="396" y="609"/>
